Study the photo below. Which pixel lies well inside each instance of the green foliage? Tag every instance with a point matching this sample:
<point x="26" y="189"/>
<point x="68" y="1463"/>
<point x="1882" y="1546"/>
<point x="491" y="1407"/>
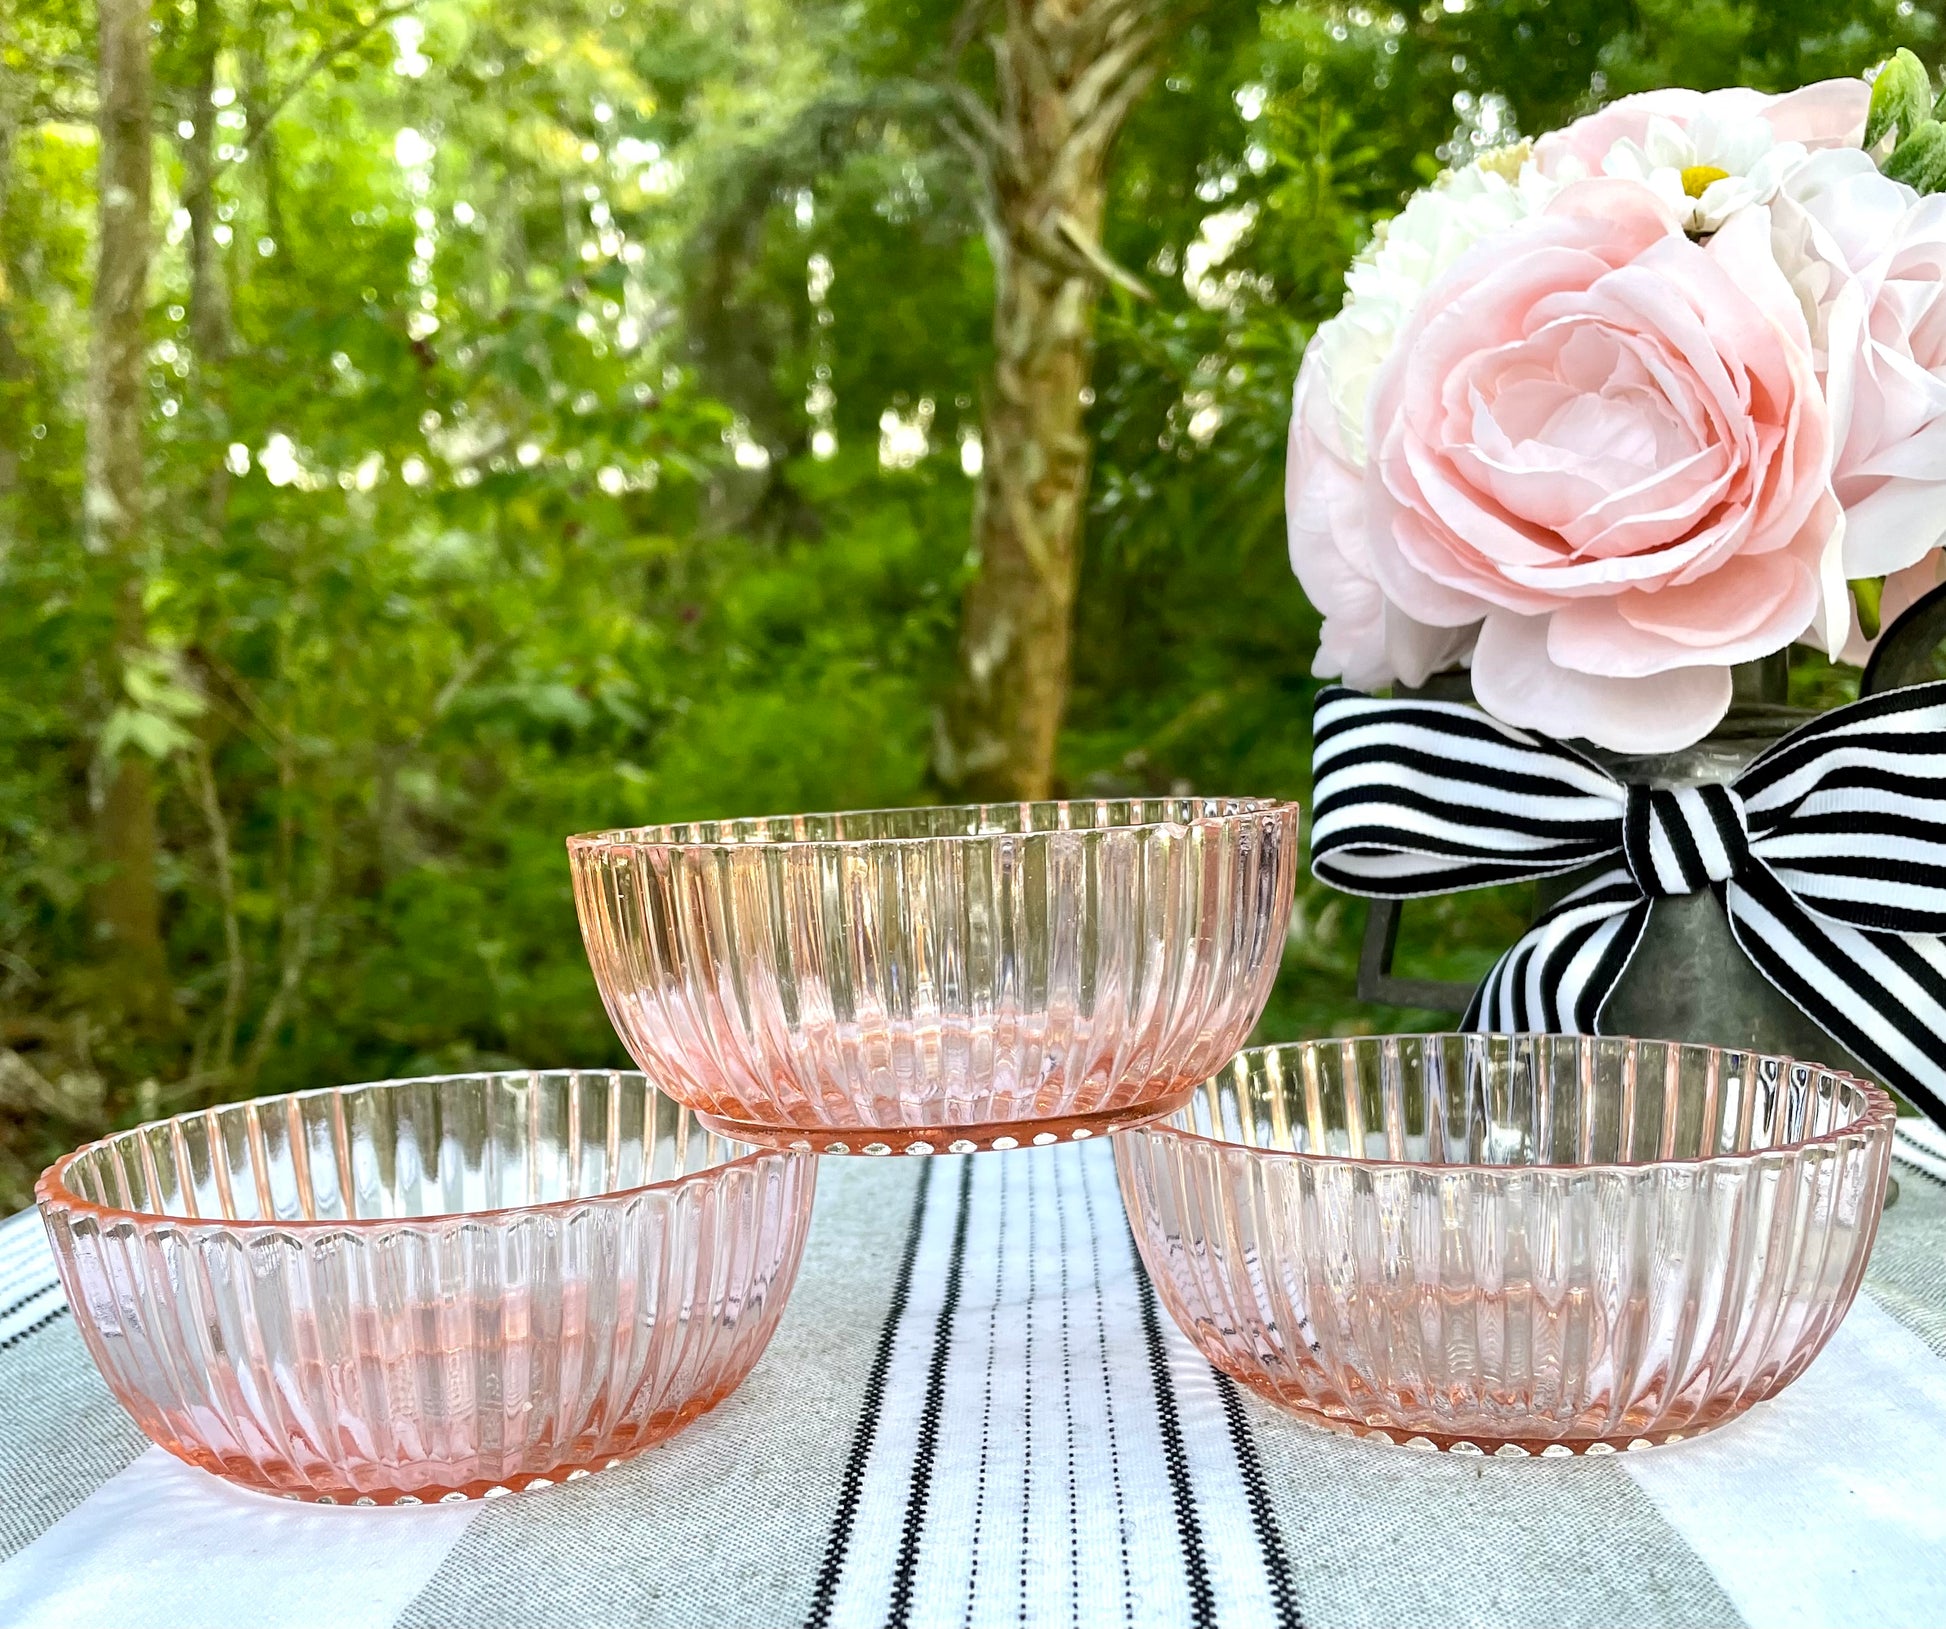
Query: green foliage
<point x="542" y="484"/>
<point x="1920" y="158"/>
<point x="1901" y="99"/>
<point x="1903" y="114"/>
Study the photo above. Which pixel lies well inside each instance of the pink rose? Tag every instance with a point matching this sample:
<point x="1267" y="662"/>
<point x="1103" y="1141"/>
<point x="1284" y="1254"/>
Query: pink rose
<point x="1605" y="444"/>
<point x="1879" y="308"/>
<point x="1830" y="113"/>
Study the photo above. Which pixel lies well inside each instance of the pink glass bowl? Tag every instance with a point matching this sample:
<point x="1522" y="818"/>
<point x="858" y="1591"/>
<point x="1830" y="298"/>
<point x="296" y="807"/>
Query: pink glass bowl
<point x="939" y="979"/>
<point x="1540" y="1244"/>
<point x="425" y="1289"/>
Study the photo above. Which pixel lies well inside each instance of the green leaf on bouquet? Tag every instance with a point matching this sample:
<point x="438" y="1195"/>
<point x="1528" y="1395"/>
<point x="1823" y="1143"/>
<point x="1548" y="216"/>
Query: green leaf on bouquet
<point x="1901" y="99"/>
<point x="1920" y="160"/>
<point x="1866" y="596"/>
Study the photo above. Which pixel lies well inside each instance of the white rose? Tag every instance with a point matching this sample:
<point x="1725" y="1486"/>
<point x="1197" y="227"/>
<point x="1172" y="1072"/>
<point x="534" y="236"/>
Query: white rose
<point x="1407" y="255"/>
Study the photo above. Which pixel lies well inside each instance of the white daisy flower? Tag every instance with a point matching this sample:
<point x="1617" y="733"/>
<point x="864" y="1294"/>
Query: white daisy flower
<point x="1709" y="168"/>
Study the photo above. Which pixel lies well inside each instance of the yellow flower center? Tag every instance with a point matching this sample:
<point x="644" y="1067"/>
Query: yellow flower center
<point x="1697" y="177"/>
<point x="1505" y="162"/>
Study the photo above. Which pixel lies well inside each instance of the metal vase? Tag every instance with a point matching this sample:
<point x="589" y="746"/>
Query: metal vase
<point x="1689" y="980"/>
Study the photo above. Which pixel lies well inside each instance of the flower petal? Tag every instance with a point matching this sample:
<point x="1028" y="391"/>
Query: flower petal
<point x="1517" y="678"/>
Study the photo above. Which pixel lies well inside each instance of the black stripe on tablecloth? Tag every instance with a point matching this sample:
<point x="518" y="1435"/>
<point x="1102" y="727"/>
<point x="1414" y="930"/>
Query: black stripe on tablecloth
<point x="28" y="1279"/>
<point x="1107" y="1390"/>
<point x="1263" y="1515"/>
<point x="1064" y="1300"/>
<point x="986" y="1400"/>
<point x="1027" y="1393"/>
<point x="927" y="1447"/>
<point x="1202" y="1599"/>
<point x="1910" y="1157"/>
<point x="35" y="1328"/>
<point x="29" y="1298"/>
<point x="851" y="1484"/>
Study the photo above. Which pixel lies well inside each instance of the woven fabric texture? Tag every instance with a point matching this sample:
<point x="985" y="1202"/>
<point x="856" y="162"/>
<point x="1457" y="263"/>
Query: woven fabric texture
<point x="976" y="1413"/>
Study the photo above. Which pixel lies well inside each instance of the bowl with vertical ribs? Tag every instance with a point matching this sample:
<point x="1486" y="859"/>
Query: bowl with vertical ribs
<point x="1540" y="1244"/>
<point x="431" y="1289"/>
<point x="935" y="979"/>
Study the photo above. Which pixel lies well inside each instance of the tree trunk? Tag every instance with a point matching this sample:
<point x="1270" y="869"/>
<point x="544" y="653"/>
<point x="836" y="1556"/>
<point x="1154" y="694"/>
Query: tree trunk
<point x="127" y="907"/>
<point x="211" y="338"/>
<point x="11" y="370"/>
<point x="255" y="48"/>
<point x="1068" y="71"/>
<point x="209" y="290"/>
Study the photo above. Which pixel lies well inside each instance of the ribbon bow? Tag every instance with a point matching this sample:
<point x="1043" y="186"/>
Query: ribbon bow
<point x="1828" y="853"/>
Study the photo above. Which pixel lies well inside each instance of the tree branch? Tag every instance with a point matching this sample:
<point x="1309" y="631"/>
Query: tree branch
<point x="1115" y="92"/>
<point x="45" y="110"/>
<point x="349" y="41"/>
<point x="469" y="669"/>
<point x="980" y="153"/>
<point x="966" y="26"/>
<point x="234" y="967"/>
<point x="74" y="1099"/>
<point x="300" y="928"/>
<point x="977" y="116"/>
<point x="1096" y="258"/>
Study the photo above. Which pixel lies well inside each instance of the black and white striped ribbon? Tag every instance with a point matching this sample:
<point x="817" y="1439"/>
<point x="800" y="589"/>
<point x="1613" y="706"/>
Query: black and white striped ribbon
<point x="1828" y="853"/>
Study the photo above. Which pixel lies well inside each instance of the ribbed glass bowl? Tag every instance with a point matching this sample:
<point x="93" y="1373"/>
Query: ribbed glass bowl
<point x="1541" y="1244"/>
<point x="939" y="979"/>
<point x="425" y="1289"/>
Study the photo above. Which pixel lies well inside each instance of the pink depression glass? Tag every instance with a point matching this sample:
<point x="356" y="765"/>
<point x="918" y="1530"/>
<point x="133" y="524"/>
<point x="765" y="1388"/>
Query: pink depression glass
<point x="1540" y="1244"/>
<point x="425" y="1289"/>
<point x="939" y="979"/>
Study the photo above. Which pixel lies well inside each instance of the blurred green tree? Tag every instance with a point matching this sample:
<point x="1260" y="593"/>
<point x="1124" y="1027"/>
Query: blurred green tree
<point x="577" y="414"/>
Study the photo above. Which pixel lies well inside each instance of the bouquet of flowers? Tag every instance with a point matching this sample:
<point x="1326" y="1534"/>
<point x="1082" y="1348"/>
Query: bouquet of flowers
<point x="1608" y="412"/>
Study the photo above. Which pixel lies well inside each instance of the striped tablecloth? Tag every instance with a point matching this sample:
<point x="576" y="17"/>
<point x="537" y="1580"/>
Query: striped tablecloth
<point x="976" y="1413"/>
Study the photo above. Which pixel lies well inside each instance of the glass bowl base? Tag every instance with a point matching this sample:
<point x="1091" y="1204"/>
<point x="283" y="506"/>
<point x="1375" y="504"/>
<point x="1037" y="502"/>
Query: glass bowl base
<point x="1497" y="1441"/>
<point x="977" y="1138"/>
<point x="409" y="1485"/>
